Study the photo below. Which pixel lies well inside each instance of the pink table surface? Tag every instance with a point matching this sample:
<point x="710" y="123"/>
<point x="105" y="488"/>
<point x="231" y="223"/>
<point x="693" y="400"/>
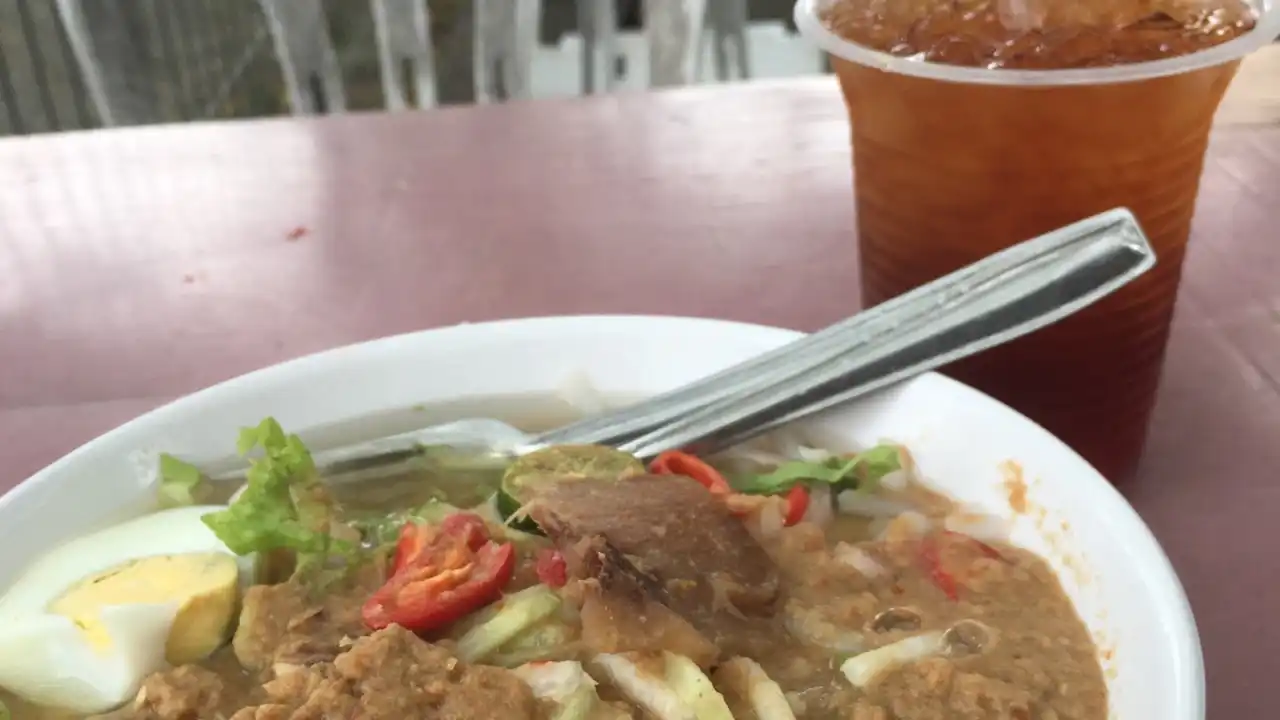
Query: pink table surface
<point x="139" y="265"/>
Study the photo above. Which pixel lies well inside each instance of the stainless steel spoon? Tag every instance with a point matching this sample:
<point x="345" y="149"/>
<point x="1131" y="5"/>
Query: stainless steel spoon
<point x="1001" y="297"/>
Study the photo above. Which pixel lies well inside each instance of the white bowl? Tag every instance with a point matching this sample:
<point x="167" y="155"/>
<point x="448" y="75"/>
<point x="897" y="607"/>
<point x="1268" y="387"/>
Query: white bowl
<point x="963" y="441"/>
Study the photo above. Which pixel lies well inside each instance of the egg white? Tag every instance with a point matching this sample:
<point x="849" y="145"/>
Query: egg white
<point x="48" y="659"/>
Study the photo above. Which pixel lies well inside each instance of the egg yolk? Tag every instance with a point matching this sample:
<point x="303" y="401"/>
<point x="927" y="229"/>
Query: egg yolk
<point x="203" y="586"/>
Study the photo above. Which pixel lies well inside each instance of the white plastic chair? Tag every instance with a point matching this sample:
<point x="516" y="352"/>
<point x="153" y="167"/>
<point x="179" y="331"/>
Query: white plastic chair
<point x="598" y="28"/>
<point x="505" y="43"/>
<point x="307" y="58"/>
<point x="675" y="31"/>
<point x="109" y="93"/>
<point x="506" y="35"/>
<point x="403" y="30"/>
<point x="728" y="21"/>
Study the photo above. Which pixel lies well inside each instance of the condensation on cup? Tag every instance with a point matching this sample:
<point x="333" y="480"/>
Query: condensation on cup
<point x="980" y="123"/>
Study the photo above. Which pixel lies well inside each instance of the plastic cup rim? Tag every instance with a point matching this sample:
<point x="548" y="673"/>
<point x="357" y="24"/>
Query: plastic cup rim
<point x="1266" y="31"/>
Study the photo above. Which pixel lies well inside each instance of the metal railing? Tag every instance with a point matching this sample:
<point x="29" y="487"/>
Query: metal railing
<point x="187" y="60"/>
<point x="183" y="60"/>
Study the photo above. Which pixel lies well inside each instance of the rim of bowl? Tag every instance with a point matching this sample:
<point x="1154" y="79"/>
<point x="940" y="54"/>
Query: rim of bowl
<point x="1189" y="664"/>
<point x="1264" y="32"/>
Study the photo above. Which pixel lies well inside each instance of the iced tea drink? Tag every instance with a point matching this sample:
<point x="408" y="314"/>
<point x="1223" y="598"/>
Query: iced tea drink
<point x="980" y="123"/>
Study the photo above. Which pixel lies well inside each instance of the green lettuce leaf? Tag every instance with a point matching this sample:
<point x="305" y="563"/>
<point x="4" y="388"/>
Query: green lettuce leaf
<point x="874" y="464"/>
<point x="861" y="471"/>
<point x="181" y="483"/>
<point x="284" y="505"/>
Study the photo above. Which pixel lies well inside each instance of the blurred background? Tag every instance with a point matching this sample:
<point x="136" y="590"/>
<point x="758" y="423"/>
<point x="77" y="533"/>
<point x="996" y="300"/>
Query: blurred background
<point x="78" y="64"/>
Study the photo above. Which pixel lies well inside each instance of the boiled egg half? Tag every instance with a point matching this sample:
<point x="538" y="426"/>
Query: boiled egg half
<point x="88" y="622"/>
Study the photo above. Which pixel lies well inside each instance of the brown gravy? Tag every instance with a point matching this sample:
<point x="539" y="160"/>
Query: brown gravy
<point x="1015" y="648"/>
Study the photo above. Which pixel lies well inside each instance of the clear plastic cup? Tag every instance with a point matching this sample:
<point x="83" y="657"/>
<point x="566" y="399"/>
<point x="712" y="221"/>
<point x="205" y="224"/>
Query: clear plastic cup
<point x="954" y="163"/>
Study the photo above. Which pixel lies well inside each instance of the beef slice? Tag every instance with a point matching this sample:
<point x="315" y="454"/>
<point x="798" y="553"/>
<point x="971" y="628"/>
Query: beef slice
<point x="663" y="536"/>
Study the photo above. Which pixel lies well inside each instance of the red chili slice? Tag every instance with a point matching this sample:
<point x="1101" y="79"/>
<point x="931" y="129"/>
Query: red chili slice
<point x="674" y="462"/>
<point x="551" y="568"/>
<point x="931" y="556"/>
<point x="932" y="559"/>
<point x="983" y="548"/>
<point x="413" y="542"/>
<point x="797" y="505"/>
<point x="417" y="539"/>
<point x="442" y="586"/>
<point x="468" y="526"/>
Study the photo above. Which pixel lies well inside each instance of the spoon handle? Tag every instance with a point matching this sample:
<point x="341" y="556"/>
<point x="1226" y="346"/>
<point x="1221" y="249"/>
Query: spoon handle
<point x="1004" y="296"/>
<point x="617" y="426"/>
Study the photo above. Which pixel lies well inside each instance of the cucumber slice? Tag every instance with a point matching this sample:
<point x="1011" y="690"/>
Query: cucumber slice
<point x="744" y="680"/>
<point x="549" y="640"/>
<point x="515" y="492"/>
<point x="695" y="689"/>
<point x="565" y="684"/>
<point x="515" y="614"/>
<point x="521" y="537"/>
<point x="631" y="674"/>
